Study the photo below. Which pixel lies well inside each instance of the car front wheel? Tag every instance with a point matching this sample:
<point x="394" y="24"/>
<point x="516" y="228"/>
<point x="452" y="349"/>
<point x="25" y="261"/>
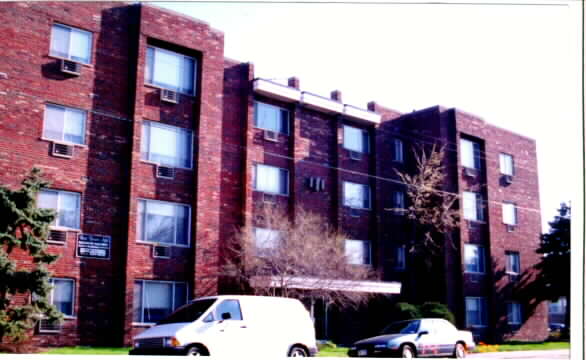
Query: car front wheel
<point x="195" y="351"/>
<point x="407" y="352"/>
<point x="460" y="351"/>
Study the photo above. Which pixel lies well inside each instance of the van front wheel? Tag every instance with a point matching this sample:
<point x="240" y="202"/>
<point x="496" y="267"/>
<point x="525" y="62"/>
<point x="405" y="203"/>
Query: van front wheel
<point x="297" y="351"/>
<point x="195" y="351"/>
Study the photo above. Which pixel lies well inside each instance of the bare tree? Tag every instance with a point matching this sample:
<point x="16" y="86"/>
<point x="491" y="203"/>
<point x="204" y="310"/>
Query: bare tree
<point x="431" y="208"/>
<point x="301" y="259"/>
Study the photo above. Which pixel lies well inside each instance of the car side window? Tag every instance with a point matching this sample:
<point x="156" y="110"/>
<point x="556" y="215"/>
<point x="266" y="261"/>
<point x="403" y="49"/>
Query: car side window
<point x="229" y="310"/>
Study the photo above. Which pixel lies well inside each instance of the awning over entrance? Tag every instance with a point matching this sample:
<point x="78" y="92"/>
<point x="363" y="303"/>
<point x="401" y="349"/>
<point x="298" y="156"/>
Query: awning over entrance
<point x="308" y="283"/>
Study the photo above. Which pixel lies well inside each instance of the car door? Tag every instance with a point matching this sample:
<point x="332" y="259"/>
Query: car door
<point x="230" y="338"/>
<point x="446" y="336"/>
<point x="426" y="339"/>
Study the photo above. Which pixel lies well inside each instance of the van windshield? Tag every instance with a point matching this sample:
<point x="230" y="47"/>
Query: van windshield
<point x="189" y="312"/>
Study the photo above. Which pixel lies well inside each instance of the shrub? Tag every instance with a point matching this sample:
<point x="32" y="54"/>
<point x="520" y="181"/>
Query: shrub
<point x="437" y="310"/>
<point x="406" y="311"/>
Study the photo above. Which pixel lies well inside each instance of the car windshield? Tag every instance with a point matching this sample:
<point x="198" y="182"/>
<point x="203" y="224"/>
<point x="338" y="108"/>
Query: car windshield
<point x="402" y="327"/>
<point x="189" y="312"/>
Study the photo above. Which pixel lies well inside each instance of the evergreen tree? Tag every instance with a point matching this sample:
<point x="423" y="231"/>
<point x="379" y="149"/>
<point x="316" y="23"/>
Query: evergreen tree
<point x="554" y="267"/>
<point x="24" y="228"/>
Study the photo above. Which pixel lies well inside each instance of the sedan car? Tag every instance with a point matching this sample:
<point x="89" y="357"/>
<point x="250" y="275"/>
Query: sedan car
<point x="416" y="338"/>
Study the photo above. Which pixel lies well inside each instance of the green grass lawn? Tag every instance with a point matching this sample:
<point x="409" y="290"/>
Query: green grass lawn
<point x="333" y="352"/>
<point x="87" y="350"/>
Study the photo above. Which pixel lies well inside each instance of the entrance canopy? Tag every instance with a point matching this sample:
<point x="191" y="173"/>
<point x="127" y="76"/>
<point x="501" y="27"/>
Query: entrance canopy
<point x="309" y="283"/>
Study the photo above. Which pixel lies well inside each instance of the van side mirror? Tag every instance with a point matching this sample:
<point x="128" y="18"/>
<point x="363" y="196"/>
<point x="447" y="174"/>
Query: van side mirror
<point x="226" y="316"/>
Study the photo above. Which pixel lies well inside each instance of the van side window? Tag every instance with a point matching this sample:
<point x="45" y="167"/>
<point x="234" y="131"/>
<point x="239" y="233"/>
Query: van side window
<point x="229" y="306"/>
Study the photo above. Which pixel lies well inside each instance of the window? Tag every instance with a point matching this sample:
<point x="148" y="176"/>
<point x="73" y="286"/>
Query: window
<point x="269" y="117"/>
<point x="474" y="258"/>
<point x="170" y="70"/>
<point x="231" y="307"/>
<point x="470" y="154"/>
<point x="166" y="145"/>
<point x="509" y="214"/>
<point x="514" y="313"/>
<point x="473" y="207"/>
<point x="558" y="307"/>
<point x="271" y="179"/>
<point x="400" y="262"/>
<point x="164" y="222"/>
<point x="62" y="295"/>
<point x="398" y="150"/>
<point x="71" y="43"/>
<point x="357" y="252"/>
<point x="355" y="139"/>
<point x="398" y="199"/>
<point x="65" y="203"/>
<point x="513" y="263"/>
<point x="154" y="300"/>
<point x="476" y="312"/>
<point x="356" y="195"/>
<point x="506" y="164"/>
<point x="64" y="124"/>
<point x="266" y="239"/>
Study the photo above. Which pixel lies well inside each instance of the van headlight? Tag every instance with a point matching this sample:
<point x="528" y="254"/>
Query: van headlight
<point x="136" y="344"/>
<point x="171" y="342"/>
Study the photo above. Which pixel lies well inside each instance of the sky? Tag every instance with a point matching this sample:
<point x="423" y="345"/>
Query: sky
<point x="515" y="65"/>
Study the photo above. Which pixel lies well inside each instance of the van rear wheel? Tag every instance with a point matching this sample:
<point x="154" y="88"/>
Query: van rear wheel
<point x="297" y="351"/>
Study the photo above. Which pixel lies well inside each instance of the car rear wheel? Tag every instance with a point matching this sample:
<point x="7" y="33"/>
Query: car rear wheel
<point x="297" y="351"/>
<point x="460" y="351"/>
<point x="407" y="352"/>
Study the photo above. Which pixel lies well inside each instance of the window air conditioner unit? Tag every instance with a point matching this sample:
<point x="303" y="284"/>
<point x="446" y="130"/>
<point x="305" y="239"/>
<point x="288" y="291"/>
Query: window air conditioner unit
<point x="165" y="172"/>
<point x="169" y="96"/>
<point x="162" y="252"/>
<point x="470" y="172"/>
<point x="355" y="155"/>
<point x="269" y="198"/>
<point x="508" y="179"/>
<point x="57" y="236"/>
<point x="70" y="67"/>
<point x="271" y="135"/>
<point x="354" y="212"/>
<point x="47" y="326"/>
<point x="62" y="150"/>
<point x="510" y="228"/>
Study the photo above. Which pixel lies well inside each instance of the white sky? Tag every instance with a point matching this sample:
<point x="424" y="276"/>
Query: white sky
<point x="516" y="66"/>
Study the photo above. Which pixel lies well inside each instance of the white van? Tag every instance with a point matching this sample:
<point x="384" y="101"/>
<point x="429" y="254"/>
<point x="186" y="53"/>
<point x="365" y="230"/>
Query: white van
<point x="232" y="326"/>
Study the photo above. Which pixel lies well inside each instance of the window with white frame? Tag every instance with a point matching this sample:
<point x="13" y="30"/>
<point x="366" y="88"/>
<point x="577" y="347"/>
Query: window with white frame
<point x="513" y="266"/>
<point x="514" y="313"/>
<point x="400" y="260"/>
<point x="357" y="252"/>
<point x="506" y="164"/>
<point x="398" y="150"/>
<point x="509" y="214"/>
<point x="476" y="315"/>
<point x="166" y="145"/>
<point x="474" y="258"/>
<point x="473" y="206"/>
<point x="356" y="139"/>
<point x="398" y="198"/>
<point x="470" y="154"/>
<point x="266" y="239"/>
<point x="170" y="70"/>
<point x="271" y="179"/>
<point x="164" y="222"/>
<point x="71" y="43"/>
<point x="154" y="300"/>
<point x="62" y="295"/>
<point x="356" y="195"/>
<point x="270" y="117"/>
<point x="65" y="124"/>
<point x="65" y="203"/>
<point x="558" y="307"/>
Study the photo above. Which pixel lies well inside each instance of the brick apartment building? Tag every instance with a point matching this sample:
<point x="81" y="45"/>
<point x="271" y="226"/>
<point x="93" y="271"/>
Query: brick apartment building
<point x="157" y="148"/>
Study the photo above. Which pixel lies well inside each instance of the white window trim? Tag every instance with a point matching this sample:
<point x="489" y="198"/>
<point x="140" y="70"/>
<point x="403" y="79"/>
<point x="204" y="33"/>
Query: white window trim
<point x="398" y="157"/>
<point x="515" y="213"/>
<point x="91" y="44"/>
<point x="474" y="157"/>
<point x="171" y="127"/>
<point x="195" y="68"/>
<point x="287" y="130"/>
<point x="479" y="204"/>
<point x="483" y="261"/>
<point x="362" y="151"/>
<point x="518" y="255"/>
<point x="84" y="132"/>
<point x="512" y="164"/>
<point x="142" y="241"/>
<point x="73" y="295"/>
<point x="367" y="186"/>
<point x="59" y="227"/>
<point x="261" y="249"/>
<point x="518" y="307"/>
<point x="255" y="180"/>
<point x="142" y="300"/>
<point x="369" y="263"/>
<point x="481" y="300"/>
